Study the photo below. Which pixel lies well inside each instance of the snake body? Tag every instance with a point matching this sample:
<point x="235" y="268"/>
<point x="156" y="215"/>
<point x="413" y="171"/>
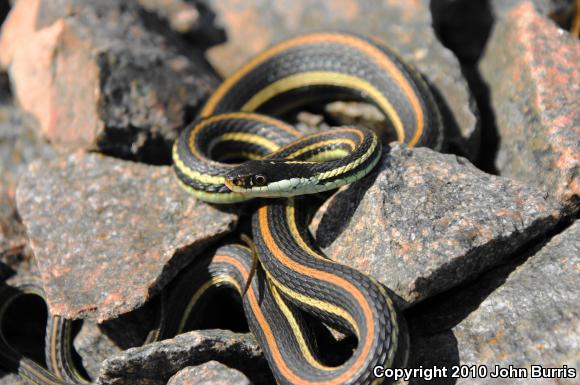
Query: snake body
<point x="293" y="276"/>
<point x="292" y="74"/>
<point x="57" y="351"/>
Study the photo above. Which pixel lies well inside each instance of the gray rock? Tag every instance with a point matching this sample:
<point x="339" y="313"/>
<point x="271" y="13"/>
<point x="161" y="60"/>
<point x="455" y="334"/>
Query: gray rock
<point x="210" y="373"/>
<point x="12" y="233"/>
<point x="182" y="16"/>
<point x="157" y="362"/>
<point x="93" y="346"/>
<point x="353" y="113"/>
<point x="530" y="319"/>
<point x="19" y="145"/>
<point x="13" y="242"/>
<point x="196" y="21"/>
<point x="426" y="222"/>
<point x="531" y="67"/>
<point x="554" y="8"/>
<point x="108" y="234"/>
<point x="9" y="379"/>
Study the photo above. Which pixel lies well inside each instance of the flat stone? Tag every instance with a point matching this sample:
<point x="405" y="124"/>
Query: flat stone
<point x="108" y="234"/>
<point x="531" y="67"/>
<point x="406" y="26"/>
<point x="155" y="363"/>
<point x="530" y="319"/>
<point x="210" y="373"/>
<point x="139" y="84"/>
<point x="426" y="221"/>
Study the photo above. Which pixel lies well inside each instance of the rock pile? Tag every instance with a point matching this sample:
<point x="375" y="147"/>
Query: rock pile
<point x="479" y="245"/>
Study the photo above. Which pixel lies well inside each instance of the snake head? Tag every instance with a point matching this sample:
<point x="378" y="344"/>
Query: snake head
<point x="267" y="178"/>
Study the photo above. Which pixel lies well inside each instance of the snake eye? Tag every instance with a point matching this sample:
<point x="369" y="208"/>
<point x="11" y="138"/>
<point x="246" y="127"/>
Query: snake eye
<point x="259" y="180"/>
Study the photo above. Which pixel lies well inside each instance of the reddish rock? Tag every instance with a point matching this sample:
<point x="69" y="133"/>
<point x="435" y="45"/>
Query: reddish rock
<point x="210" y="373"/>
<point x="96" y="77"/>
<point x="107" y="234"/>
<point x="531" y="67"/>
<point x="426" y="222"/>
<point x="404" y="25"/>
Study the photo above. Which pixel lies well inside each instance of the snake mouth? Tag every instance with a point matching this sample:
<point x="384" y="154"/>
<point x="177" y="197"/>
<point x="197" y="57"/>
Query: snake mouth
<point x="241" y="188"/>
<point x="284" y="188"/>
<point x="229" y="184"/>
<point x="238" y="184"/>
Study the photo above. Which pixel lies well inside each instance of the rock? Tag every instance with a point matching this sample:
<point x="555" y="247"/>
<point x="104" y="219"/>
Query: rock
<point x="532" y="71"/>
<point x="403" y="25"/>
<point x="554" y="8"/>
<point x="96" y="342"/>
<point x="108" y="234"/>
<point x="5" y="93"/>
<point x="93" y="346"/>
<point x="19" y="145"/>
<point x="210" y="373"/>
<point x="157" y="362"/>
<point x="182" y="16"/>
<point x="14" y="252"/>
<point x="354" y="113"/>
<point x="464" y="25"/>
<point x="9" y="379"/>
<point x="195" y="21"/>
<point x="308" y="123"/>
<point x="530" y="319"/>
<point x="429" y="221"/>
<point x="12" y="233"/>
<point x="139" y="83"/>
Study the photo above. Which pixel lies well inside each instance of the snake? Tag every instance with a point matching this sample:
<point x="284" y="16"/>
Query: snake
<point x="60" y="369"/>
<point x="238" y="150"/>
<point x="279" y="166"/>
